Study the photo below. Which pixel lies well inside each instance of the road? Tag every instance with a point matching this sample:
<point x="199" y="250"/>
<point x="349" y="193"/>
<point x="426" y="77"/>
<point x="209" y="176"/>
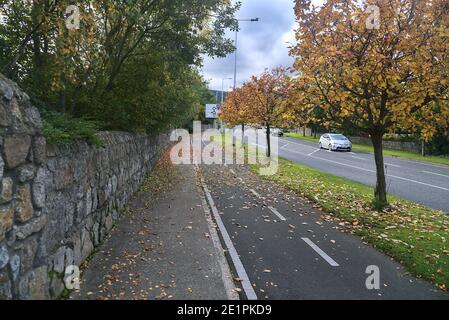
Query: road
<point x="424" y="183"/>
<point x="281" y="248"/>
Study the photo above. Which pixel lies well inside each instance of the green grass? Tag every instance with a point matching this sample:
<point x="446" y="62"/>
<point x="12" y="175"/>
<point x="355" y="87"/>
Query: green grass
<point x="394" y="153"/>
<point x="414" y="235"/>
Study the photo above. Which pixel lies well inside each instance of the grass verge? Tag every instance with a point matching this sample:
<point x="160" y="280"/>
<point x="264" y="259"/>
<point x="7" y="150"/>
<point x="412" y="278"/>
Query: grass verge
<point x="414" y="235"/>
<point x="394" y="153"/>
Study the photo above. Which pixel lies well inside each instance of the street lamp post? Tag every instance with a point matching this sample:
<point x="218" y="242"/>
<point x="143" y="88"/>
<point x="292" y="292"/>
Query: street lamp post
<point x="222" y="96"/>
<point x="222" y="88"/>
<point x="235" y="69"/>
<point x="235" y="54"/>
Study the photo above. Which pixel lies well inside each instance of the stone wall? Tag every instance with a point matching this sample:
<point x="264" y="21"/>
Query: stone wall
<point x="393" y="145"/>
<point x="58" y="202"/>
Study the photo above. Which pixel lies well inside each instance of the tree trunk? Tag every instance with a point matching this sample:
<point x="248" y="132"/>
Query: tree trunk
<point x="243" y="134"/>
<point x="62" y="101"/>
<point x="268" y="141"/>
<point x="380" y="192"/>
<point x="304" y="131"/>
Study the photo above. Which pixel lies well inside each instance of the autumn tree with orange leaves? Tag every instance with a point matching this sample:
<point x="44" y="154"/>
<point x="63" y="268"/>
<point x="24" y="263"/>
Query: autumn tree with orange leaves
<point x="299" y="110"/>
<point x="234" y="111"/>
<point x="258" y="102"/>
<point x="265" y="95"/>
<point x="375" y="66"/>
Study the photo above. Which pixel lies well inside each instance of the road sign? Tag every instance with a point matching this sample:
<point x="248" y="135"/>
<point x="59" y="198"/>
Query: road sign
<point x="212" y="111"/>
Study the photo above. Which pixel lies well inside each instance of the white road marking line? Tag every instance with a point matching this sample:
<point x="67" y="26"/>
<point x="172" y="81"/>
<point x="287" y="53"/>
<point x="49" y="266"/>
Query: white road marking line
<point x="421" y="162"/>
<point x="226" y="273"/>
<point x="392" y="165"/>
<point x="321" y="252"/>
<point x="254" y="193"/>
<point x="312" y="153"/>
<point x="299" y="144"/>
<point x="240" y="269"/>
<point x="293" y="151"/>
<point x="358" y="158"/>
<point x="418" y="182"/>
<point x="280" y="216"/>
<point x="437" y="174"/>
<point x="388" y="175"/>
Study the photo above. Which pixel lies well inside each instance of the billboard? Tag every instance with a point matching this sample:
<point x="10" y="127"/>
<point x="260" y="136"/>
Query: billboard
<point x="212" y="111"/>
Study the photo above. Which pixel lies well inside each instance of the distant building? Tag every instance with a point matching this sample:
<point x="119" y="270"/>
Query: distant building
<point x="217" y="95"/>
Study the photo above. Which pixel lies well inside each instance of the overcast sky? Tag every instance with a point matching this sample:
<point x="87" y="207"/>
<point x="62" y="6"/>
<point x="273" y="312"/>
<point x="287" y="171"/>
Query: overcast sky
<point x="261" y="44"/>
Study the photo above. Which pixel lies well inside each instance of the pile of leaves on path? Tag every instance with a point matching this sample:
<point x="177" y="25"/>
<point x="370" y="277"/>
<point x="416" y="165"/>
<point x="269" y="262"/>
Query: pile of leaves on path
<point x="161" y="179"/>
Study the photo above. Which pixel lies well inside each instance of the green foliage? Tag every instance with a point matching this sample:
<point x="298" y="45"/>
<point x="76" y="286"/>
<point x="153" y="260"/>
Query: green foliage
<point x="60" y="128"/>
<point x="439" y="145"/>
<point x="132" y="65"/>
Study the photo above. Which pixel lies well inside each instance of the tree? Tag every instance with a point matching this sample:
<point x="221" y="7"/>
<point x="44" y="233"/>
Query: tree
<point x="132" y="65"/>
<point x="265" y="95"/>
<point x="299" y="110"/>
<point x="375" y="75"/>
<point x="234" y="110"/>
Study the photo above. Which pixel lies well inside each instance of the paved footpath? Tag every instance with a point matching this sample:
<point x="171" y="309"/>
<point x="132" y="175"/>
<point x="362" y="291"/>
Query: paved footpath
<point x="168" y="250"/>
<point x="288" y="251"/>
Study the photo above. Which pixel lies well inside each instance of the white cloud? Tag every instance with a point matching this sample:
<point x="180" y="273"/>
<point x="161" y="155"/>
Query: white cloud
<point x="261" y="45"/>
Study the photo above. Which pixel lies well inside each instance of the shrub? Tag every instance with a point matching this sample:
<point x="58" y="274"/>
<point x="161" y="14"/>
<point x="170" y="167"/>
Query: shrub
<point x="61" y="128"/>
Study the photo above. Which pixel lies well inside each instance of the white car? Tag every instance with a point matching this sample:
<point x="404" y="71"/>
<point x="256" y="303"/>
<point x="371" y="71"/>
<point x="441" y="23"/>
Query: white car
<point x="277" y="132"/>
<point x="334" y="142"/>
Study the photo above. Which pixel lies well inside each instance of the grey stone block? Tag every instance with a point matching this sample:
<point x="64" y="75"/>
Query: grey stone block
<point x="38" y="189"/>
<point x="24" y="206"/>
<point x="14" y="265"/>
<point x="15" y="150"/>
<point x="7" y="190"/>
<point x="34" y="285"/>
<point x="24" y="231"/>
<point x="26" y="172"/>
<point x="4" y="257"/>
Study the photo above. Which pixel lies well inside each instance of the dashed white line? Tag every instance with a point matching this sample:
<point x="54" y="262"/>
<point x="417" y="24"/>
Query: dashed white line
<point x="392" y="165"/>
<point x="280" y="216"/>
<point x="312" y="153"/>
<point x="437" y="174"/>
<point x="359" y="158"/>
<point x="299" y="144"/>
<point x="293" y="151"/>
<point x="272" y="209"/>
<point x="254" y="193"/>
<point x="321" y="252"/>
<point x="285" y="145"/>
